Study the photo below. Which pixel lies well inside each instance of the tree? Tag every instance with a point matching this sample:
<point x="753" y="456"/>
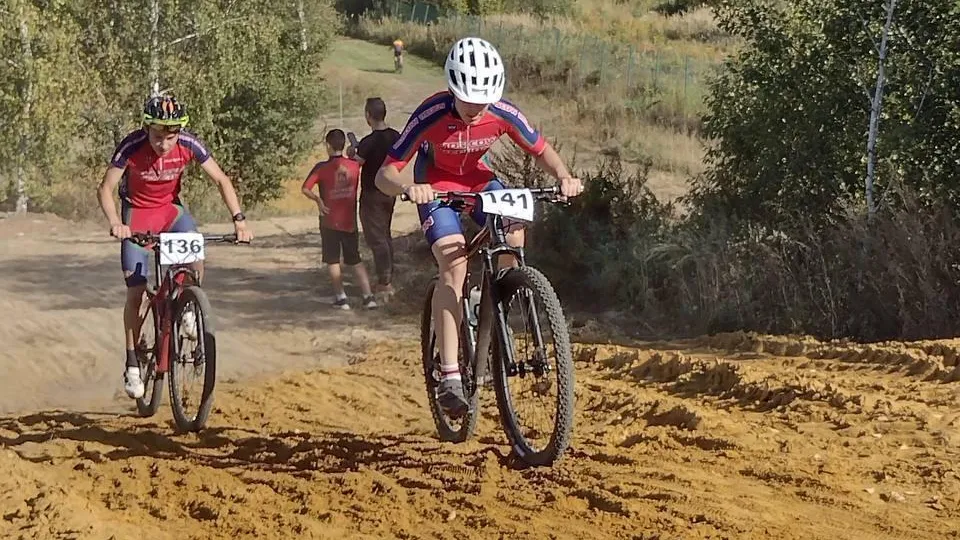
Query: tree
<point x="254" y="88"/>
<point x="39" y="87"/>
<point x="248" y="70"/>
<point x="789" y="114"/>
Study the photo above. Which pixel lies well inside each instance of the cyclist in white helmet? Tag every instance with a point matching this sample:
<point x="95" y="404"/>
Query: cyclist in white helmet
<point x="452" y="130"/>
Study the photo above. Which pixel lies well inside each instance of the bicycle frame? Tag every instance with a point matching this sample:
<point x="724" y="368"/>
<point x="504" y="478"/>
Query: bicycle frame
<point x="161" y="296"/>
<point x="489" y="243"/>
<point x="166" y="288"/>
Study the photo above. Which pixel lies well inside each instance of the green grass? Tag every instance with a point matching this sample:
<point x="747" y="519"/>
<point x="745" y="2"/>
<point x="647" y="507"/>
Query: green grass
<point x="590" y="100"/>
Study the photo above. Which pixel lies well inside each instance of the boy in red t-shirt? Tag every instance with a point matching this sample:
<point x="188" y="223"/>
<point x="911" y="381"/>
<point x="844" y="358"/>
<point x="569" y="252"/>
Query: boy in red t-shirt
<point x="338" y="178"/>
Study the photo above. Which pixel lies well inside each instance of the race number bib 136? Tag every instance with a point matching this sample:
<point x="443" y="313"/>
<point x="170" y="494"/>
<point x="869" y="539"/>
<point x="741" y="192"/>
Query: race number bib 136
<point x="181" y="248"/>
<point x="513" y="203"/>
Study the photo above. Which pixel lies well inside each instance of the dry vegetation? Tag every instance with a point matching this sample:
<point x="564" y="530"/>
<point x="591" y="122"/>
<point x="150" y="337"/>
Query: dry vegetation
<point x="614" y="85"/>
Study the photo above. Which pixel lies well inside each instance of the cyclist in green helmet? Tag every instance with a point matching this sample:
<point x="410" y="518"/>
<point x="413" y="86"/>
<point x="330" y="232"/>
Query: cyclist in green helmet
<point x="148" y="166"/>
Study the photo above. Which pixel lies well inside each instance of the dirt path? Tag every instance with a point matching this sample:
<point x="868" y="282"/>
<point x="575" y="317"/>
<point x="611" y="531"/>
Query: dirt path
<point x="61" y="294"/>
<point x="321" y="427"/>
<point x="734" y="436"/>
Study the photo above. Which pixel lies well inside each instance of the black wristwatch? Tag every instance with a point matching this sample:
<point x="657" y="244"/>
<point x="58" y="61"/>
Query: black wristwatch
<point x="239" y="216"/>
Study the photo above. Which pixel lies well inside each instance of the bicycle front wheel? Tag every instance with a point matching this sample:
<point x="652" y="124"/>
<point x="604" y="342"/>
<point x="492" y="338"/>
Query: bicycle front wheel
<point x="193" y="362"/>
<point x="533" y="377"/>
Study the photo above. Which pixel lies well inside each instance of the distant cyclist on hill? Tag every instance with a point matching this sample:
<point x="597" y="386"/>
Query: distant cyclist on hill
<point x="453" y="130"/>
<point x="151" y="161"/>
<point x="398" y="55"/>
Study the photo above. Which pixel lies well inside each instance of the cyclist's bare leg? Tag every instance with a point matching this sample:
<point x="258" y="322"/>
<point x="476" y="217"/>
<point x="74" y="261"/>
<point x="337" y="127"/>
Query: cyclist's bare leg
<point x="132" y="383"/>
<point x="449" y="252"/>
<point x="516" y="237"/>
<point x="132" y="311"/>
<point x="336" y="276"/>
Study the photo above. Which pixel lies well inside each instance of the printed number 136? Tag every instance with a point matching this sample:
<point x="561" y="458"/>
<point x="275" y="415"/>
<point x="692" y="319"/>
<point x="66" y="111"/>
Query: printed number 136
<point x="193" y="246"/>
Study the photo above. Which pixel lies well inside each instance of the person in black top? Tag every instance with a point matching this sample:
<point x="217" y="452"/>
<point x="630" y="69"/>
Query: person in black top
<point x="376" y="208"/>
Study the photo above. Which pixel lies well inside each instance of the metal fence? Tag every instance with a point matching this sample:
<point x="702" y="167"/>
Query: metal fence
<point x="416" y="12"/>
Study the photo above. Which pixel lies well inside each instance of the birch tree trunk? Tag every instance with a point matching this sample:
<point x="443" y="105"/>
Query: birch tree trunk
<point x="875" y="109"/>
<point x="154" y="47"/>
<point x="27" y="101"/>
<point x="303" y="26"/>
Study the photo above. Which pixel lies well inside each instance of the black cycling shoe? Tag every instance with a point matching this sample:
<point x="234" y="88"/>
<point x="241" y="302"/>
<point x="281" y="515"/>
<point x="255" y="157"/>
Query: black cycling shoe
<point x="450" y="398"/>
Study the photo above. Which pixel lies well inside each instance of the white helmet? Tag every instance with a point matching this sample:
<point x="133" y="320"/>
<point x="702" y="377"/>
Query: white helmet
<point x="475" y="71"/>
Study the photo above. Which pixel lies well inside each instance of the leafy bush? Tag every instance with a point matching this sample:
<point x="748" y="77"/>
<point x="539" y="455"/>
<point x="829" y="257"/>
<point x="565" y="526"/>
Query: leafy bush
<point x="790" y="113"/>
<point x="617" y="247"/>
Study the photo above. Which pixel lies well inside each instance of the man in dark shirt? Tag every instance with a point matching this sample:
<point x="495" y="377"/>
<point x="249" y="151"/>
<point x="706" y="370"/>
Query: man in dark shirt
<point x="376" y="208"/>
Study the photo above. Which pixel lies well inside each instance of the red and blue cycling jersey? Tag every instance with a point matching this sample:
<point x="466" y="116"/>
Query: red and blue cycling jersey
<point x="151" y="180"/>
<point x="450" y="149"/>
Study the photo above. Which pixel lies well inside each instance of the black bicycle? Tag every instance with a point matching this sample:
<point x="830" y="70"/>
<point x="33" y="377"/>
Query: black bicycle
<point x="540" y="368"/>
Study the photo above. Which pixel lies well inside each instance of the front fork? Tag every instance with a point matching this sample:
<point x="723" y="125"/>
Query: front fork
<point x="492" y="304"/>
<point x="168" y="297"/>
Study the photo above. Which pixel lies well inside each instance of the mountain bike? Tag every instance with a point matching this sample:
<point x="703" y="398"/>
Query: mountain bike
<point x="180" y="314"/>
<point x="488" y="341"/>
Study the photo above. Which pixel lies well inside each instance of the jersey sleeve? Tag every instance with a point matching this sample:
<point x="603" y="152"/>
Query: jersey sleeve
<point x="196" y="146"/>
<point x="517" y="127"/>
<point x="127" y="147"/>
<point x="314" y="176"/>
<point x="431" y="111"/>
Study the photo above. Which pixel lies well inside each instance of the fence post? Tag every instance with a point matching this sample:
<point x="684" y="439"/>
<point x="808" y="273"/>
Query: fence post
<point x="556" y="34"/>
<point x="583" y="47"/>
<point x="629" y="67"/>
<point x="656" y="69"/>
<point x="602" y="53"/>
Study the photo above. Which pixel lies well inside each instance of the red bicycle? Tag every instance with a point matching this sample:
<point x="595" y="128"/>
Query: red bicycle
<point x="183" y="335"/>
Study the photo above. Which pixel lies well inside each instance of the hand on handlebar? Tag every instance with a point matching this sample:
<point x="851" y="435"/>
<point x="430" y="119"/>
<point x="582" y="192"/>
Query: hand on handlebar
<point x="419" y="193"/>
<point x="120" y="231"/>
<point x="244" y="234"/>
<point x="571" y="187"/>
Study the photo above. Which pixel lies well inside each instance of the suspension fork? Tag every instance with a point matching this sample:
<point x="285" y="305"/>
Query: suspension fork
<point x="530" y="303"/>
<point x="166" y="328"/>
<point x="491" y="273"/>
<point x="167" y="294"/>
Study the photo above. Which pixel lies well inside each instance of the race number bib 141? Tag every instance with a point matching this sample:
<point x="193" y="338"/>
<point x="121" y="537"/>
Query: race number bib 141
<point x="513" y="203"/>
<point x="181" y="248"/>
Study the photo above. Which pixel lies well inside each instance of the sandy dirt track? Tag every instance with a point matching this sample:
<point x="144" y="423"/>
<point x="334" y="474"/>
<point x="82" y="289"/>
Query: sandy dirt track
<point x="321" y="430"/>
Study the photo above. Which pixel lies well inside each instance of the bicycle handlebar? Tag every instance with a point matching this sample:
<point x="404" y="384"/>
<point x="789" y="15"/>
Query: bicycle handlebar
<point x="146" y="238"/>
<point x="543" y="194"/>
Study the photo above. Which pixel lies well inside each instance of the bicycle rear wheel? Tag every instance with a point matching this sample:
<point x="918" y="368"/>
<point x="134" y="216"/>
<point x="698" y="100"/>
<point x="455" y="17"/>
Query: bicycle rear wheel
<point x="549" y="382"/>
<point x="193" y="355"/>
<point x="449" y="429"/>
<point x="147" y="349"/>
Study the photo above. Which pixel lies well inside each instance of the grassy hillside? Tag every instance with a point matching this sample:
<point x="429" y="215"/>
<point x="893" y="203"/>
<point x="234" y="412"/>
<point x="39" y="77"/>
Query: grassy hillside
<point x="630" y="85"/>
